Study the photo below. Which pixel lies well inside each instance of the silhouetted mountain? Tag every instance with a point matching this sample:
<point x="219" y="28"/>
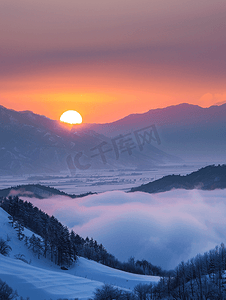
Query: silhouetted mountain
<point x="188" y="131"/>
<point x="38" y="191"/>
<point x="208" y="178"/>
<point x="177" y="115"/>
<point x="30" y="143"/>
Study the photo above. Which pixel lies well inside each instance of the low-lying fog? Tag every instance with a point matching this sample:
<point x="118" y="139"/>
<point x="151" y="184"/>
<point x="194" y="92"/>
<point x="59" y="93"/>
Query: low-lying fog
<point x="163" y="228"/>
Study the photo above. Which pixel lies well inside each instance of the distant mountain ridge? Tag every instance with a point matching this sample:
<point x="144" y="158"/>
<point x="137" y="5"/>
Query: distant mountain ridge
<point x="181" y="114"/>
<point x="185" y="130"/>
<point x="207" y="178"/>
<point x="34" y="144"/>
<point x="31" y="144"/>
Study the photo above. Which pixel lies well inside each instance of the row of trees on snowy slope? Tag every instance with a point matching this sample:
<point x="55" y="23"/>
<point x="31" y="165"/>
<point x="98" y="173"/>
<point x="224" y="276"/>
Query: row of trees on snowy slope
<point x="59" y="244"/>
<point x="200" y="278"/>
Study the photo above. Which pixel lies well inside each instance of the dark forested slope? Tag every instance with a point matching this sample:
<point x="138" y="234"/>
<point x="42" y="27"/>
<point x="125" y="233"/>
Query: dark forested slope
<point x="36" y="190"/>
<point x="208" y="178"/>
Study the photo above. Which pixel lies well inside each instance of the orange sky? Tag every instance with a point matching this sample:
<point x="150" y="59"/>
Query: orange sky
<point x="110" y="59"/>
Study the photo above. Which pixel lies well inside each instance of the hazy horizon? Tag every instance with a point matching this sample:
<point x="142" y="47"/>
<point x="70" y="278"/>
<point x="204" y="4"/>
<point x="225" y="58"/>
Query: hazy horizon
<point x="133" y="113"/>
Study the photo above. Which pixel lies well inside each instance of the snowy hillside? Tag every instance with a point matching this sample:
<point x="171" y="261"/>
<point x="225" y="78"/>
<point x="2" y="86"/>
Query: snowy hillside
<point x="40" y="283"/>
<point x="40" y="279"/>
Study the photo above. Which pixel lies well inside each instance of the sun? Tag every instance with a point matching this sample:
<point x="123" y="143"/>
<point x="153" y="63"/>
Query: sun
<point x="71" y="117"/>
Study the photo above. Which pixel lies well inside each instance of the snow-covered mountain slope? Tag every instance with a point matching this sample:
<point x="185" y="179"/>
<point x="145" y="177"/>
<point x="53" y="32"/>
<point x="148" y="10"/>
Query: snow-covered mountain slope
<point x="95" y="271"/>
<point x="39" y="283"/>
<point x="41" y="279"/>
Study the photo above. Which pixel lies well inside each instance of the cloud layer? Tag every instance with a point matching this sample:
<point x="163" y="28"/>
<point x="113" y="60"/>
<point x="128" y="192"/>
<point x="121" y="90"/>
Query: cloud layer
<point x="163" y="228"/>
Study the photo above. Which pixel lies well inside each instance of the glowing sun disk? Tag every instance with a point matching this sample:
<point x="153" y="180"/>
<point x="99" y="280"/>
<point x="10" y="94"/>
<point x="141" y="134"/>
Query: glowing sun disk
<point x="71" y="117"/>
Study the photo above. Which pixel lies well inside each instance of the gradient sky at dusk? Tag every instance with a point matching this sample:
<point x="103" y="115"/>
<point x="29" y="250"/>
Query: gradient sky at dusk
<point x="107" y="59"/>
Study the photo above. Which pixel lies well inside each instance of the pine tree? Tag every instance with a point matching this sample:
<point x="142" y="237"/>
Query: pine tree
<point x="38" y="247"/>
<point x="4" y="247"/>
<point x="32" y="242"/>
<point x="73" y="245"/>
<point x="19" y="229"/>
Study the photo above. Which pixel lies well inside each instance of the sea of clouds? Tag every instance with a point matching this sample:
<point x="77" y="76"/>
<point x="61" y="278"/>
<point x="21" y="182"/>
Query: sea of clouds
<point x="163" y="228"/>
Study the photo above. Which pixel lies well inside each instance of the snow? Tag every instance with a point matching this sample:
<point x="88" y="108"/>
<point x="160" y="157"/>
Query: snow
<point x="93" y="270"/>
<point x="41" y="279"/>
<point x="40" y="283"/>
